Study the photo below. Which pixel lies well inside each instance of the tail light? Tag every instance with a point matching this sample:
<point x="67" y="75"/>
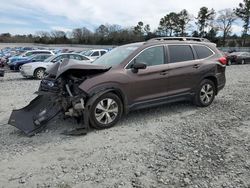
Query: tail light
<point x="223" y="60"/>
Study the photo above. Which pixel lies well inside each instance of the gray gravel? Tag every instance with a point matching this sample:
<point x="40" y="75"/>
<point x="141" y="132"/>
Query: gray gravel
<point x="176" y="145"/>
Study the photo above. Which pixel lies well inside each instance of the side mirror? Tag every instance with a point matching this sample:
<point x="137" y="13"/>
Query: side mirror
<point x="137" y="66"/>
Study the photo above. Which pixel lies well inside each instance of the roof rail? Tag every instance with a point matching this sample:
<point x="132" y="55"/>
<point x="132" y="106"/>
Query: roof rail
<point x="179" y="39"/>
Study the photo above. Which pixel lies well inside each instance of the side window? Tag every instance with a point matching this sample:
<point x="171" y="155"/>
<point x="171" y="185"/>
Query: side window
<point x="95" y="53"/>
<point x="152" y="56"/>
<point x="179" y="53"/>
<point x="83" y="58"/>
<point x="103" y="52"/>
<point x="38" y="57"/>
<point x="60" y="58"/>
<point x="77" y="57"/>
<point x="202" y="51"/>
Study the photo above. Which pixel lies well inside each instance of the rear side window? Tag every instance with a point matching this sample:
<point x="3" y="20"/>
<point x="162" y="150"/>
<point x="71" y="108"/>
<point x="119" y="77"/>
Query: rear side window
<point x="179" y="53"/>
<point x="202" y="52"/>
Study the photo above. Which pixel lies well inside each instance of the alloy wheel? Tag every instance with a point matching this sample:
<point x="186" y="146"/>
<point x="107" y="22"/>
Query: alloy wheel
<point x="206" y="93"/>
<point x="106" y="111"/>
<point x="40" y="74"/>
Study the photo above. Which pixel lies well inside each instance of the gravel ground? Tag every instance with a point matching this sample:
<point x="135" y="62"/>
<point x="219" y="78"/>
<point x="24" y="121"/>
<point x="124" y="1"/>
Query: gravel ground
<point x="176" y="145"/>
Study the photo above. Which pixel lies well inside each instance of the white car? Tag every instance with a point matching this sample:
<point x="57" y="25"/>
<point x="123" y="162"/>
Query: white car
<point x="37" y="69"/>
<point x="94" y="54"/>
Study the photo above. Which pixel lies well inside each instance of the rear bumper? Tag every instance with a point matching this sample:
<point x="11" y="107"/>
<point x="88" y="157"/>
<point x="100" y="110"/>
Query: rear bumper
<point x="221" y="81"/>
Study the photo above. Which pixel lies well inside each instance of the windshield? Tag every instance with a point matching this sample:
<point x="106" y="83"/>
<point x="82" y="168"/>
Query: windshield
<point x="116" y="56"/>
<point x="88" y="53"/>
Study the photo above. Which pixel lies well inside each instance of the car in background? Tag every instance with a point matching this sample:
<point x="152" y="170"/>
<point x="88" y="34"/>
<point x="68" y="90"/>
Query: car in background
<point x="34" y="58"/>
<point x="94" y="54"/>
<point x="37" y="69"/>
<point x="26" y="55"/>
<point x="238" y="58"/>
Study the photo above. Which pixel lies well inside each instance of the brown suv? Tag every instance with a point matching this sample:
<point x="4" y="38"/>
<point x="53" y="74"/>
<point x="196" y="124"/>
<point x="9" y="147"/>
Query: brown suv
<point x="133" y="76"/>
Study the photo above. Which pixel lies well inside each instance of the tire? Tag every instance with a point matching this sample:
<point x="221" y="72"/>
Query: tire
<point x="39" y="73"/>
<point x="243" y="61"/>
<point x="102" y="116"/>
<point x="205" y="93"/>
<point x="19" y="68"/>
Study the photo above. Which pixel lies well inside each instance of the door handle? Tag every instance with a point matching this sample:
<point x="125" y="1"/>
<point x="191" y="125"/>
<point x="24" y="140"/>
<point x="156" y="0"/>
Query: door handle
<point x="196" y="66"/>
<point x="164" y="72"/>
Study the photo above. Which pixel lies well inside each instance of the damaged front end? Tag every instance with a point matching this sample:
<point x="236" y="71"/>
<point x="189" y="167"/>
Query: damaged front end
<point x="59" y="93"/>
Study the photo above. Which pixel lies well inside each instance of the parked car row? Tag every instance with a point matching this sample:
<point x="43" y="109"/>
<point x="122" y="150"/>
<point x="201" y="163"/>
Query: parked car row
<point x="33" y="62"/>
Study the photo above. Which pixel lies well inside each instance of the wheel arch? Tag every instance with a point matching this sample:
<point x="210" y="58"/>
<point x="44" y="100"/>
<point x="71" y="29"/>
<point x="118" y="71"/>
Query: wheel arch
<point x="214" y="80"/>
<point x="97" y="93"/>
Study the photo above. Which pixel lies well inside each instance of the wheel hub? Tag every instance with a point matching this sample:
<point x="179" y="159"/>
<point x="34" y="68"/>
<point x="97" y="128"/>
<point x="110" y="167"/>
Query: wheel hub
<point x="106" y="111"/>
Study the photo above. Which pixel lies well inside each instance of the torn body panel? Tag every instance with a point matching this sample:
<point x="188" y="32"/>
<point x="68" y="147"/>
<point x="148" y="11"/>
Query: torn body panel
<point x="33" y="118"/>
<point x="58" y="92"/>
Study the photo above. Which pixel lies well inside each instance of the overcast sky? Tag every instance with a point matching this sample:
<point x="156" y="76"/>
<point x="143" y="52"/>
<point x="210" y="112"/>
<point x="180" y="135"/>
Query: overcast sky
<point x="29" y="16"/>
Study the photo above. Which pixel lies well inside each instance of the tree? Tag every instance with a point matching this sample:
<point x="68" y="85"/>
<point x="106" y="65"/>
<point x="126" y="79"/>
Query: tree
<point x="225" y="20"/>
<point x="59" y="37"/>
<point x="169" y="24"/>
<point x="204" y="18"/>
<point x="81" y="35"/>
<point x="243" y="12"/>
<point x="184" y="19"/>
<point x="138" y="30"/>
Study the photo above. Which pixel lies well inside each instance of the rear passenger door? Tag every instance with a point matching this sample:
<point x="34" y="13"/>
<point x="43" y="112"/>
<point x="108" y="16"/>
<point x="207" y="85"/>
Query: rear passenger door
<point x="183" y="73"/>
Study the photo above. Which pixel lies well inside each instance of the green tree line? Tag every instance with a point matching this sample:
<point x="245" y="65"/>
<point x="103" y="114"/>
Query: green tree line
<point x="215" y="26"/>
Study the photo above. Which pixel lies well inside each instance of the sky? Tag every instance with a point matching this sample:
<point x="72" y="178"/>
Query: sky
<point x="30" y="16"/>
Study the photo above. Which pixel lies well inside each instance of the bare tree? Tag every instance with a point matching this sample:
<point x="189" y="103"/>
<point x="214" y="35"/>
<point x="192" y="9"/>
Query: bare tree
<point x="225" y="20"/>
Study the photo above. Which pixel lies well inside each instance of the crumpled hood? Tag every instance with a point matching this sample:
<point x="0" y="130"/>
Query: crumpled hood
<point x="68" y="64"/>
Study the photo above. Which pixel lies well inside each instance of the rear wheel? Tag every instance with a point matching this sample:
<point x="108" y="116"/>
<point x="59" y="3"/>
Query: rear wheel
<point x="39" y="73"/>
<point x="106" y="111"/>
<point x="205" y="93"/>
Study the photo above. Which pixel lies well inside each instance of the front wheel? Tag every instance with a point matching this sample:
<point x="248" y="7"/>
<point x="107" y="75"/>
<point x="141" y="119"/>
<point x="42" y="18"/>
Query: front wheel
<point x="39" y="73"/>
<point x="205" y="93"/>
<point x="106" y="111"/>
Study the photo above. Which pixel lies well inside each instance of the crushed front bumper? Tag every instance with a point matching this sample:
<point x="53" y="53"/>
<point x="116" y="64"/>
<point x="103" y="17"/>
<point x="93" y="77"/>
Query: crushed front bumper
<point x="33" y="118"/>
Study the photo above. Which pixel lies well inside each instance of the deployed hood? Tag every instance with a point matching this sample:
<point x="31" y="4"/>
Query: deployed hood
<point x="68" y="64"/>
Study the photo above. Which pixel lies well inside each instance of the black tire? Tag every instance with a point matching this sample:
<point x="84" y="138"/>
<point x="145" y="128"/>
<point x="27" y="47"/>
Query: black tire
<point x="95" y="111"/>
<point x="201" y="99"/>
<point x="19" y="68"/>
<point x="39" y="72"/>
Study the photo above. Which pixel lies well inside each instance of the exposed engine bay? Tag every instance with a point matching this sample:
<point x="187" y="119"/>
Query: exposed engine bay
<point x="59" y="93"/>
